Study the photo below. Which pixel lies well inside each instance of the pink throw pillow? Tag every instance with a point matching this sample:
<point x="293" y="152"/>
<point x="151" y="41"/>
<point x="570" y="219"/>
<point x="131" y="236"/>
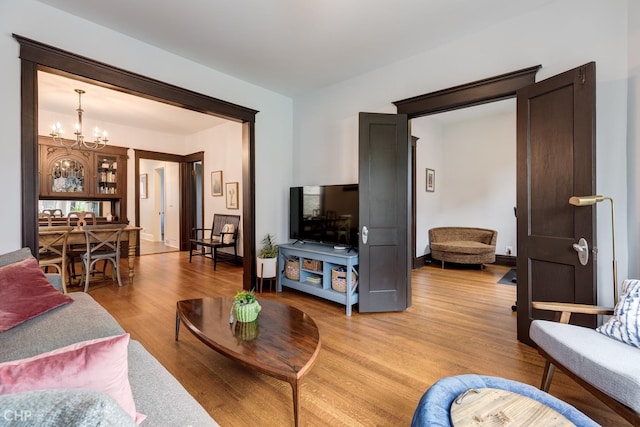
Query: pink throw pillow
<point x="99" y="365"/>
<point x="25" y="293"/>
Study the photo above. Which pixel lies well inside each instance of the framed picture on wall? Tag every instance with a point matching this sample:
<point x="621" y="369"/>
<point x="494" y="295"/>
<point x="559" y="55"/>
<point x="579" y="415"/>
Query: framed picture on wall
<point x="216" y="183"/>
<point x="144" y="187"/>
<point x="431" y="180"/>
<point x="232" y="195"/>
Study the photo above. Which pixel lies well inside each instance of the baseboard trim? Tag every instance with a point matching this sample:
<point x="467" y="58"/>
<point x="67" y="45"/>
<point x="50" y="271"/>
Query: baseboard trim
<point x="505" y="260"/>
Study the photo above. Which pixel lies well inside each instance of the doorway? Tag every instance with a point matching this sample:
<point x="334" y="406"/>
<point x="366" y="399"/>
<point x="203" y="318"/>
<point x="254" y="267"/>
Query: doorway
<point x="159" y="213"/>
<point x="480" y="92"/>
<point x="470" y="155"/>
<point x="555" y="121"/>
<point x="36" y="56"/>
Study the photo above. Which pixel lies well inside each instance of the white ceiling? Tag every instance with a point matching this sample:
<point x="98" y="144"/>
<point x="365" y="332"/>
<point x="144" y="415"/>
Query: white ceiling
<point x="288" y="46"/>
<point x="296" y="46"/>
<point x="102" y="106"/>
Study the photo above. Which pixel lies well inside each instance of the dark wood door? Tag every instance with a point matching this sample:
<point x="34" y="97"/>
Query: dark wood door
<point x="555" y="160"/>
<point x="384" y="282"/>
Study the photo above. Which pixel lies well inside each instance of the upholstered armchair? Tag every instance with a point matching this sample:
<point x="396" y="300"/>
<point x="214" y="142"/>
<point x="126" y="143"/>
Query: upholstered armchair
<point x="598" y="360"/>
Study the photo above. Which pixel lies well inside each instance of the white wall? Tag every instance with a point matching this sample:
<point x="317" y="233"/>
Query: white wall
<point x="42" y="23"/>
<point x="633" y="141"/>
<point x="476" y="177"/>
<point x="561" y="36"/>
<point x="429" y="154"/>
<point x="149" y="207"/>
<point x="222" y="146"/>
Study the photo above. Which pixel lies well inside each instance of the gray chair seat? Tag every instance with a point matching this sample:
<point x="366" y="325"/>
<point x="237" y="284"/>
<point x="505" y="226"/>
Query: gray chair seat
<point x="609" y="365"/>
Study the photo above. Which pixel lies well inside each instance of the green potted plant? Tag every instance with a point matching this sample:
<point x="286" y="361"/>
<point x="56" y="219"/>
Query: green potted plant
<point x="245" y="306"/>
<point x="267" y="257"/>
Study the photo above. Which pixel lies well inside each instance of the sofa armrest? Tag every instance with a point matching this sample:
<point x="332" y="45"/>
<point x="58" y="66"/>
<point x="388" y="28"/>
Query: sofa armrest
<point x="566" y="309"/>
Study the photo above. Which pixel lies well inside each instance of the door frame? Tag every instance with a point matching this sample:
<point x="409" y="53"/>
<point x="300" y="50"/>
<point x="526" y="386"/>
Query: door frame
<point x="185" y="207"/>
<point x="497" y="88"/>
<point x="37" y="56"/>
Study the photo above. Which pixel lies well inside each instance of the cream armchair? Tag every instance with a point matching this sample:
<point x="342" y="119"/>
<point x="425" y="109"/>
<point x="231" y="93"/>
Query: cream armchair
<point x="608" y="368"/>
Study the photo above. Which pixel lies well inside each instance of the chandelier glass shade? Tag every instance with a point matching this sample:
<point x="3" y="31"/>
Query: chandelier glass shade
<point x="99" y="137"/>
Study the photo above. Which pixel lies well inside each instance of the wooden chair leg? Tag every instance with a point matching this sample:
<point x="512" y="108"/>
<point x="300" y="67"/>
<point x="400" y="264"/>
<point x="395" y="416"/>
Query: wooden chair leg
<point x="547" y="376"/>
<point x="261" y="276"/>
<point x="215" y="257"/>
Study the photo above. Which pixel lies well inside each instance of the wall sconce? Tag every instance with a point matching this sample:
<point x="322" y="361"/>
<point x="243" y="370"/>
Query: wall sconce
<point x="592" y="200"/>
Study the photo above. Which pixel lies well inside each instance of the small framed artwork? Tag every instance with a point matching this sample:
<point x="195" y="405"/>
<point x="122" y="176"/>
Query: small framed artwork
<point x="216" y="183"/>
<point x="144" y="186"/>
<point x="431" y="180"/>
<point x="232" y="195"/>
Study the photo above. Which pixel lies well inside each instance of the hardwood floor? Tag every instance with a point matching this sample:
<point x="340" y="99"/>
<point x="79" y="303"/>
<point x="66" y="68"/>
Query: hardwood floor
<point x="372" y="368"/>
<point x="148" y="247"/>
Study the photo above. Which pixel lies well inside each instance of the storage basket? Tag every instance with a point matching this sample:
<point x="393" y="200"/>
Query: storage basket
<point x="312" y="264"/>
<point x="292" y="269"/>
<point x="339" y="279"/>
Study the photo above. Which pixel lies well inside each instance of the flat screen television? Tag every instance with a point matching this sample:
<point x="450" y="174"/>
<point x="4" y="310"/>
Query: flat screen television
<point x="325" y="213"/>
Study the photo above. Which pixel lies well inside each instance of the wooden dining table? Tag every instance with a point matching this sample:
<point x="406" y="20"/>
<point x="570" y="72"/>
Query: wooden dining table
<point x="129" y="234"/>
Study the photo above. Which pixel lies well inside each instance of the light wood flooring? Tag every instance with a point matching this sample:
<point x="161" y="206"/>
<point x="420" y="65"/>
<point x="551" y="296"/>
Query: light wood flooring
<point x="372" y="368"/>
<point x="147" y="247"/>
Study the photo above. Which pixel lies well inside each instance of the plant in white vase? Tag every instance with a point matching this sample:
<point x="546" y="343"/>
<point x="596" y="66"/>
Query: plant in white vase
<point x="267" y="257"/>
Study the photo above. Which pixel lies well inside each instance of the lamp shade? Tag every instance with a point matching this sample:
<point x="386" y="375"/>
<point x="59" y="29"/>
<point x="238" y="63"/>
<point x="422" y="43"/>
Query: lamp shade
<point x="585" y="200"/>
<point x="592" y="200"/>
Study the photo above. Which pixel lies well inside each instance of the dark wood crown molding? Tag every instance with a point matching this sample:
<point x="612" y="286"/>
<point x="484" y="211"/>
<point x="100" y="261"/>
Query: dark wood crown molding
<point x="479" y="92"/>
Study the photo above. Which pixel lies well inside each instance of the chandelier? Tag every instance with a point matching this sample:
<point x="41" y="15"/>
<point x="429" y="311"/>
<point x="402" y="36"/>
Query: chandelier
<point x="100" y="138"/>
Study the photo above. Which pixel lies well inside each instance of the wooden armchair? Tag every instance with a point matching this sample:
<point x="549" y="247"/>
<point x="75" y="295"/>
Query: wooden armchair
<point x="222" y="234"/>
<point x="608" y="368"/>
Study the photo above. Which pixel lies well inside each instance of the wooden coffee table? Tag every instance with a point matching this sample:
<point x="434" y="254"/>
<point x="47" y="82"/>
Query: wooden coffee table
<point x="283" y="343"/>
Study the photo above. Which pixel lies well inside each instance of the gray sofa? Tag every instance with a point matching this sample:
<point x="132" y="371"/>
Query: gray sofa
<point x="157" y="394"/>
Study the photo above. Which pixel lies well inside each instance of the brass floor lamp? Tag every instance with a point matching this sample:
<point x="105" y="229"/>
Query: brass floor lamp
<point x="592" y="200"/>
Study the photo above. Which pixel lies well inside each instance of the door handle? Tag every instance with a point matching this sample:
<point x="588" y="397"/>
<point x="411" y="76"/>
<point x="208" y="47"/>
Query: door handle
<point x="582" y="248"/>
<point x="365" y="234"/>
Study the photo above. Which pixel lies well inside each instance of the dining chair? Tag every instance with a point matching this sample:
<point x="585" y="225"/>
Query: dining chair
<point x="56" y="213"/>
<point x="44" y="219"/>
<point x="52" y="250"/>
<point x="79" y="220"/>
<point x="102" y="244"/>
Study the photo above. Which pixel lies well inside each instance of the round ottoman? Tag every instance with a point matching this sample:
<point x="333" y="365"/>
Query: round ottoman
<point x="435" y="404"/>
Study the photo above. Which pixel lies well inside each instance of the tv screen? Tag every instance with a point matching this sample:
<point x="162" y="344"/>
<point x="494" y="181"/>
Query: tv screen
<point x="325" y="213"/>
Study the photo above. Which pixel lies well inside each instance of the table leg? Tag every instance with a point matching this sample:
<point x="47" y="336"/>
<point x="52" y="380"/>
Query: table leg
<point x="177" y="325"/>
<point x="295" y="387"/>
<point x="133" y="241"/>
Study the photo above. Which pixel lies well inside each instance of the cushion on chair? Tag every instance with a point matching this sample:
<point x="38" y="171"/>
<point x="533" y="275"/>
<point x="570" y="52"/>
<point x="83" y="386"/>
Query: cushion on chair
<point x="610" y="365"/>
<point x="228" y="238"/>
<point x="625" y="323"/>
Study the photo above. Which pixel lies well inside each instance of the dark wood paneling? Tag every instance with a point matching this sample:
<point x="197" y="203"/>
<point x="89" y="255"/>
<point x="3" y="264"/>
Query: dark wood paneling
<point x="248" y="203"/>
<point x="29" y="155"/>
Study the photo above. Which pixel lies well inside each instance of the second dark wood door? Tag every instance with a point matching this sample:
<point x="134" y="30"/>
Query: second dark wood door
<point x="556" y="160"/>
